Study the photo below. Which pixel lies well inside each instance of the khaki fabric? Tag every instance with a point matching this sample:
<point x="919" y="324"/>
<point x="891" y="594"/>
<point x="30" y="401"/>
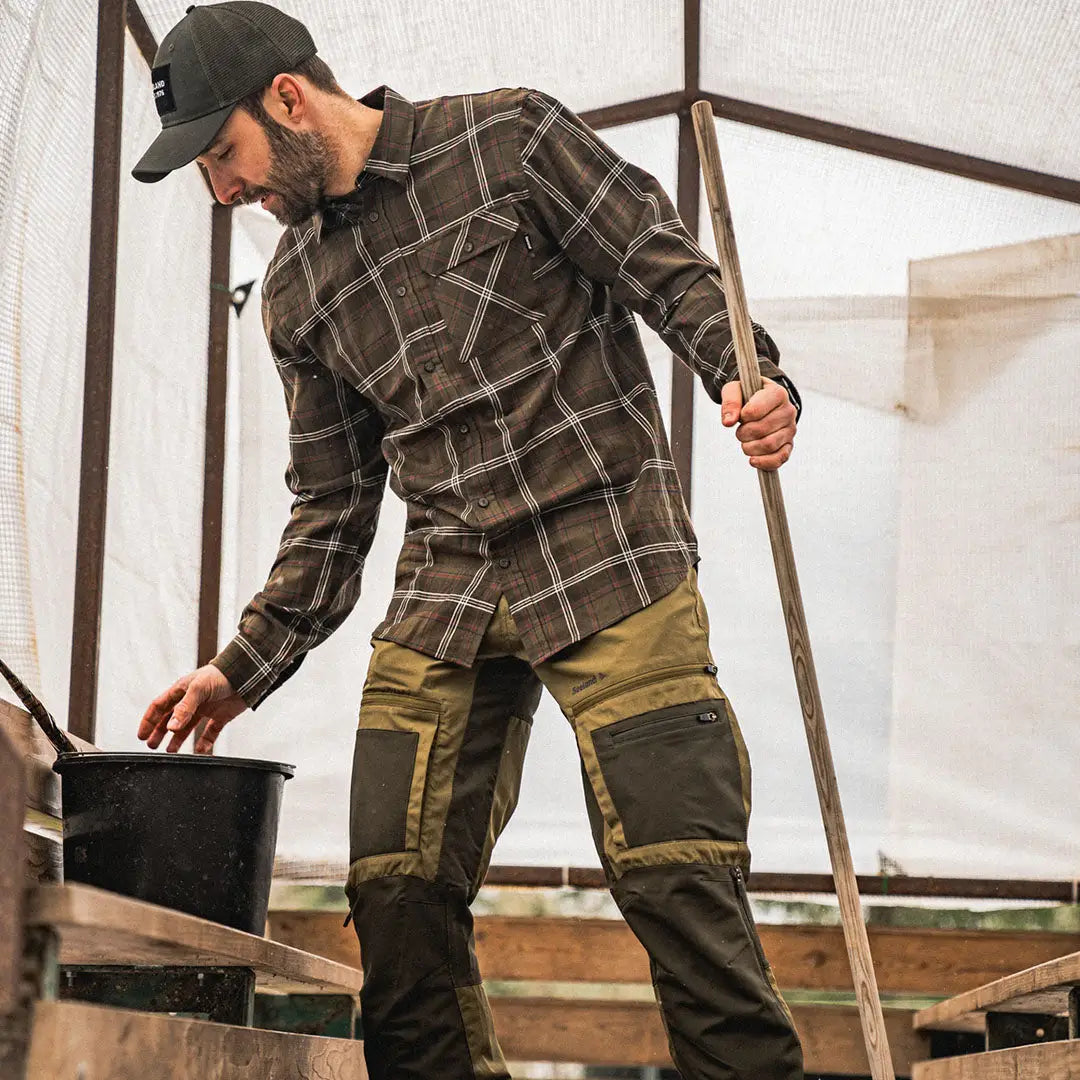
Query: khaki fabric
<point x="440" y="750"/>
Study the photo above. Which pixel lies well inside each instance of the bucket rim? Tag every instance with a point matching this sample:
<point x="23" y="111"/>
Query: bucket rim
<point x="68" y="761"/>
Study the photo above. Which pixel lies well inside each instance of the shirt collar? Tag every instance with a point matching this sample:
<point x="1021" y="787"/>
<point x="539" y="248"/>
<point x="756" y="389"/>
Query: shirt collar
<point x="389" y="157"/>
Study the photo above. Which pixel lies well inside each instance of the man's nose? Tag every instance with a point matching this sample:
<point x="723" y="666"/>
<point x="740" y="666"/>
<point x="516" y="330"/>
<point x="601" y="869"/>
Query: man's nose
<point x="227" y="189"/>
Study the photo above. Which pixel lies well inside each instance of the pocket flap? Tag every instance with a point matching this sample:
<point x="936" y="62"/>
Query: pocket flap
<point x="474" y="235"/>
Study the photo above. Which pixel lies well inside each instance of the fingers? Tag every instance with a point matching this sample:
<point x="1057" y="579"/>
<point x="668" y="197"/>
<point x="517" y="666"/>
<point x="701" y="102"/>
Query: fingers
<point x="185" y="716"/>
<point x="205" y="742"/>
<point x="730" y="402"/>
<point x="152" y="726"/>
<point x="767" y="428"/>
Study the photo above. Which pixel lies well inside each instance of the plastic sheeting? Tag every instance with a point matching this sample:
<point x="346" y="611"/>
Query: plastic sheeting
<point x="932" y="496"/>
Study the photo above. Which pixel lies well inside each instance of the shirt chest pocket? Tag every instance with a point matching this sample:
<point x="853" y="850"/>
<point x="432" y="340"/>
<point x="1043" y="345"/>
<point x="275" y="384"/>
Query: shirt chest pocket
<point x="481" y="275"/>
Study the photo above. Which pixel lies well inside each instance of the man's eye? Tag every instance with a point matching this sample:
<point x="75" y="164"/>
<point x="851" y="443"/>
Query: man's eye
<point x="226" y="153"/>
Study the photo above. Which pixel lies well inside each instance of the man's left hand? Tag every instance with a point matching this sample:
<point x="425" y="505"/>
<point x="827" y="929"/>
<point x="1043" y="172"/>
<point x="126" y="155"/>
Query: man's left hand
<point x="766" y="423"/>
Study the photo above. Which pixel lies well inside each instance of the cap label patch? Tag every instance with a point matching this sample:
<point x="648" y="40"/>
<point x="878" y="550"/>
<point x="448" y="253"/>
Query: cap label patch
<point x="163" y="95"/>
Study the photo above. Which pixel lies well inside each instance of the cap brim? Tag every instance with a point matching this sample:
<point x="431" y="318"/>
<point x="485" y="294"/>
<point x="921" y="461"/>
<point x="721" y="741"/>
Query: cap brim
<point x="178" y="145"/>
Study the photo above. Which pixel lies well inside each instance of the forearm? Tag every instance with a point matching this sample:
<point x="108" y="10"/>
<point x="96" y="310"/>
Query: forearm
<point x="313" y="586"/>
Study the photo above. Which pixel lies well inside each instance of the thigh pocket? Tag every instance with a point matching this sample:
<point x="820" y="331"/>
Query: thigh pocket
<point x="389" y="775"/>
<point x="676" y="774"/>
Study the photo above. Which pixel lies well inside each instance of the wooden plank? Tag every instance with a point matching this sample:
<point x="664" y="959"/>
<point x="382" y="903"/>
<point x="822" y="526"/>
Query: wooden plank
<point x="910" y="961"/>
<point x="12" y="871"/>
<point x="630" y="112"/>
<point x="42" y="784"/>
<point x="1040" y="989"/>
<point x="99" y="927"/>
<point x="1039" y="1061"/>
<point x="631" y="1033"/>
<point x="71" y="1039"/>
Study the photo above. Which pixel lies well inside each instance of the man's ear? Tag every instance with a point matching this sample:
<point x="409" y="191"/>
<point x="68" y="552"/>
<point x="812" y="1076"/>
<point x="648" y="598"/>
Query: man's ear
<point x="288" y="98"/>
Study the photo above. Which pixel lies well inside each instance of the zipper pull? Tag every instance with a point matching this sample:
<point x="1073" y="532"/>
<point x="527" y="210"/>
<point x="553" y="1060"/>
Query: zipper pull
<point x="707" y="718"/>
<point x="711" y="669"/>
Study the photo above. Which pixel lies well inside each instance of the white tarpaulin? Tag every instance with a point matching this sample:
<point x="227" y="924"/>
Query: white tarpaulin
<point x="932" y="495"/>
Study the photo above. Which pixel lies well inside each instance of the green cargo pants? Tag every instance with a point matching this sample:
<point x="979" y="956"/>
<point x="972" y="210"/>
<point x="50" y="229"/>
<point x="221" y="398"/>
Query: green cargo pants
<point x="439" y="751"/>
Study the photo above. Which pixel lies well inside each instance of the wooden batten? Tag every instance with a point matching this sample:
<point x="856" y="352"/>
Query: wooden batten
<point x="71" y="1039"/>
<point x="1040" y="1061"/>
<point x="632" y="1033"/>
<point x="98" y="927"/>
<point x="909" y="961"/>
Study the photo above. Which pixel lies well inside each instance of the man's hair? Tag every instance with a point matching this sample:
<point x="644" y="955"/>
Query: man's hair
<point x="315" y="70"/>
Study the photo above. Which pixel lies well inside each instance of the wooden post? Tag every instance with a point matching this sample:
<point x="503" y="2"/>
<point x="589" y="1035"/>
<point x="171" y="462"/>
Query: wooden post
<point x="688" y="198"/>
<point x="97" y="386"/>
<point x="214" y="454"/>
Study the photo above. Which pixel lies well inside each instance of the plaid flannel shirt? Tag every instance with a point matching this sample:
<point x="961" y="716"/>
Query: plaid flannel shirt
<point x="462" y="323"/>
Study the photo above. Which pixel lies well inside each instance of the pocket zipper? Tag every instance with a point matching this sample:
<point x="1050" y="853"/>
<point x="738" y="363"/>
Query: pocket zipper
<point x="663" y="724"/>
<point x="633" y="683"/>
<point x="748" y="918"/>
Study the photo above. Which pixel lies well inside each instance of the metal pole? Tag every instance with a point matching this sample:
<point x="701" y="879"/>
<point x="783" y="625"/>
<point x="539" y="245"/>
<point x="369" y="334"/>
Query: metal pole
<point x="97" y="386"/>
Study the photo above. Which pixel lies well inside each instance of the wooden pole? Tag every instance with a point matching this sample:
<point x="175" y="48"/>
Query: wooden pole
<point x="832" y="815"/>
<point x="97" y="385"/>
<point x="214" y="450"/>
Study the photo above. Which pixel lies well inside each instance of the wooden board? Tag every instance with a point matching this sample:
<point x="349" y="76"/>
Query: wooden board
<point x="12" y="871"/>
<point x="88" y="1042"/>
<point x="912" y="961"/>
<point x="42" y="784"/>
<point x="1040" y="1061"/>
<point x="98" y="927"/>
<point x="631" y="1033"/>
<point x="1040" y="989"/>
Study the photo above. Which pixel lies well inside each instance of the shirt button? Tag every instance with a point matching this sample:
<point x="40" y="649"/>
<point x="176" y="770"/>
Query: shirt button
<point x="373" y="216"/>
<point x="504" y="563"/>
<point x="464" y="429"/>
<point x="467" y="246"/>
<point x="401" y="290"/>
<point x="430" y="365"/>
<point x="482" y="502"/>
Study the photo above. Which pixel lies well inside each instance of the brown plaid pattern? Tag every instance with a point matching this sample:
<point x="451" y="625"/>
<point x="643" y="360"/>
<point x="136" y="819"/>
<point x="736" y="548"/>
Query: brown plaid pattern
<point x="462" y="323"/>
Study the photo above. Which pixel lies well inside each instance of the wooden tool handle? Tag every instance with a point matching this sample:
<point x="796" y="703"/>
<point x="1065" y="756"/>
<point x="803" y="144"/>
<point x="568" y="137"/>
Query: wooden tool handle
<point x="847" y="892"/>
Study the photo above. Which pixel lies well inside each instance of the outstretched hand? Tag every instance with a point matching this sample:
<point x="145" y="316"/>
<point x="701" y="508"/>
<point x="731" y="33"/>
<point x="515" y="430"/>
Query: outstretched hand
<point x="766" y="423"/>
<point x="204" y="694"/>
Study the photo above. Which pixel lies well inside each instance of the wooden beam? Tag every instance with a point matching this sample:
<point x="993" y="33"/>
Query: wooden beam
<point x="631" y="1033"/>
<point x="12" y="871"/>
<point x="909" y="961"/>
<point x="631" y="112"/>
<point x="214" y="445"/>
<point x="688" y="197"/>
<point x="71" y="1039"/>
<point x="586" y="877"/>
<point x="886" y="146"/>
<point x="97" y="383"/>
<point x="1040" y="1061"/>
<point x="98" y="927"/>
<point x="1043" y="988"/>
<point x="141" y="33"/>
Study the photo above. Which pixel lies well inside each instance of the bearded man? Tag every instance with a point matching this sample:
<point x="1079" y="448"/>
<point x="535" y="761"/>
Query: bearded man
<point x="450" y="306"/>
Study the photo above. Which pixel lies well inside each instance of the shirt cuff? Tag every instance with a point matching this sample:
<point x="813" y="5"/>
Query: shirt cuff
<point x="249" y="676"/>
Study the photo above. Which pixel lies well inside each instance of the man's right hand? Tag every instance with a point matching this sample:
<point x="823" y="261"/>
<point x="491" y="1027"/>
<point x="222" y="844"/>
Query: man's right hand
<point x="205" y="694"/>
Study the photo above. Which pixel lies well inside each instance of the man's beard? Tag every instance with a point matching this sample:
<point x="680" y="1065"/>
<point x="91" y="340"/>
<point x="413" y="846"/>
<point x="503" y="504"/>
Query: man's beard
<point x="300" y="166"/>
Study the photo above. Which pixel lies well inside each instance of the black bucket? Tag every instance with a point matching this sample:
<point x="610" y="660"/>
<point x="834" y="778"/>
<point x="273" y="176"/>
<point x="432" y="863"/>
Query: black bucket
<point x="187" y="831"/>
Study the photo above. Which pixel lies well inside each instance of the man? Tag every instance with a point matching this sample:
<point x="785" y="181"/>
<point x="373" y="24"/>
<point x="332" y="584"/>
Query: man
<point x="450" y="305"/>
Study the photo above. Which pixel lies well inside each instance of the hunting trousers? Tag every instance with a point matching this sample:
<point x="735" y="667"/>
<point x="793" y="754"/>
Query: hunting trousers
<point x="438" y="758"/>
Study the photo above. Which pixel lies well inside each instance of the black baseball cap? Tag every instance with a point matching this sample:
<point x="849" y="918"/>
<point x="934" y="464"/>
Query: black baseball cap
<point x="210" y="60"/>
